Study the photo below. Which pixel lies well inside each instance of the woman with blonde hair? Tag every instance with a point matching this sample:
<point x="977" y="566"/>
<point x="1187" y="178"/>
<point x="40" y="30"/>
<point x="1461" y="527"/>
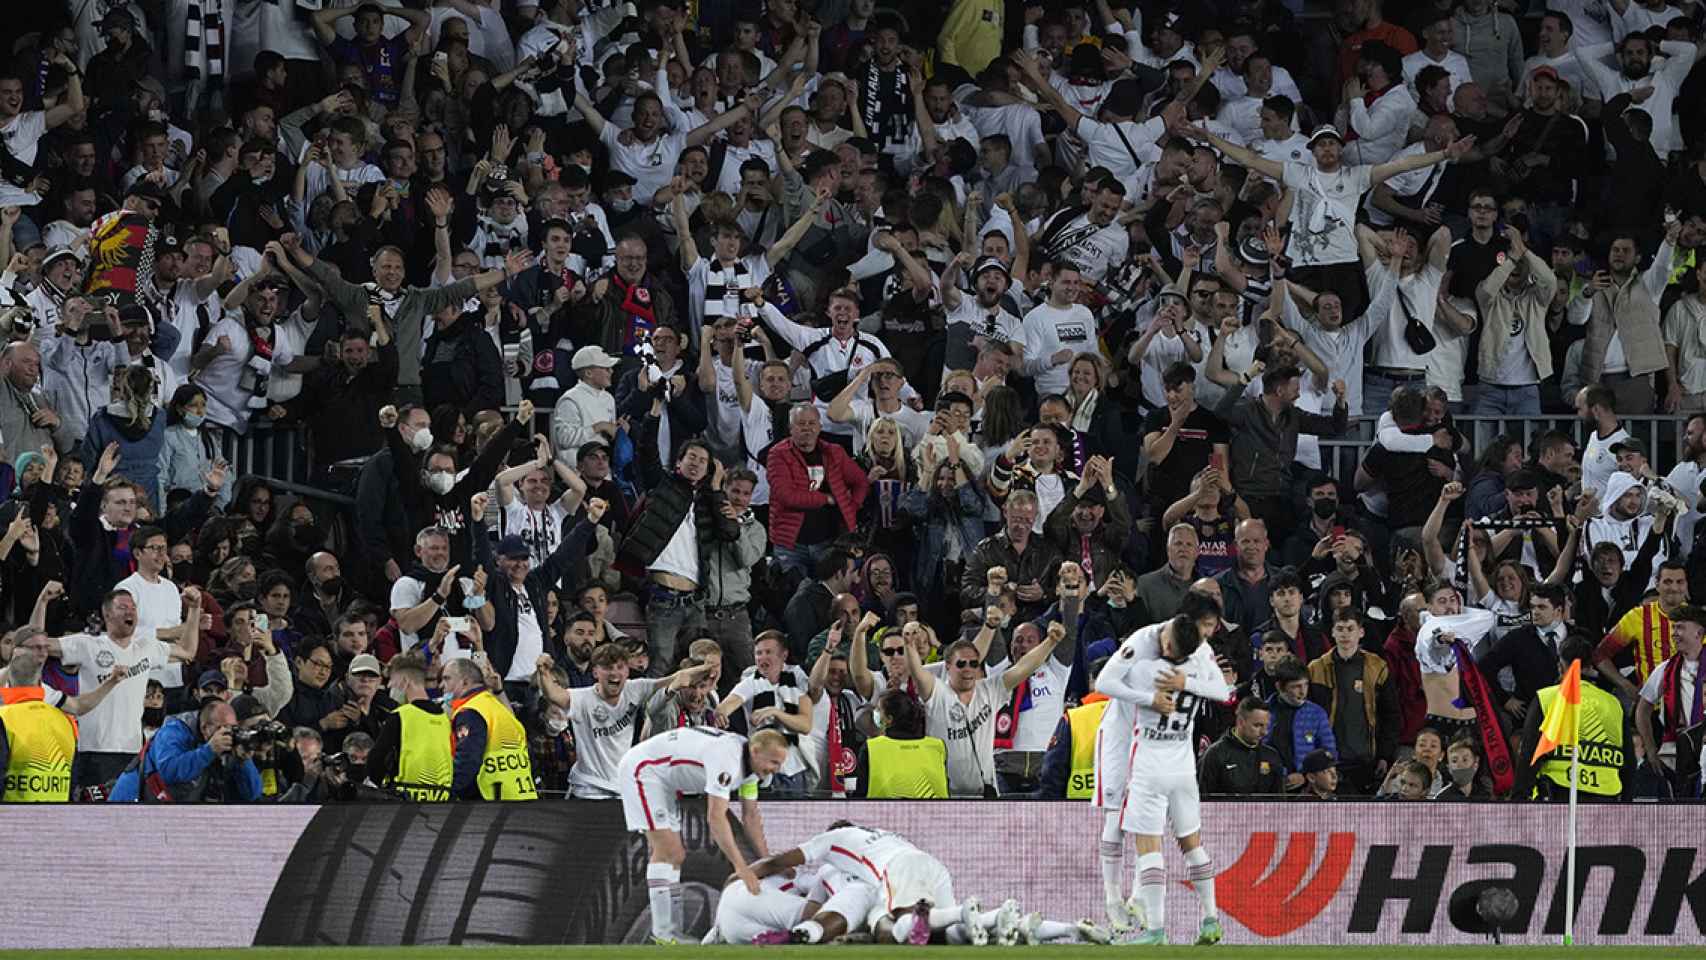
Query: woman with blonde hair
<point x="1096" y="413"/>
<point x="135" y="427"/>
<point x="884" y="461"/>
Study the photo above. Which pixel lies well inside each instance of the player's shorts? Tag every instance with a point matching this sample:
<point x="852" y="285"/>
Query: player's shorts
<point x="1156" y="799"/>
<point x="911" y="877"/>
<point x="1112" y="771"/>
<point x="646" y="803"/>
<point x="854" y="902"/>
<point x="742" y="915"/>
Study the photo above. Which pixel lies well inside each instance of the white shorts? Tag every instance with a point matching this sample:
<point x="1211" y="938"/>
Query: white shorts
<point x="911" y="877"/>
<point x="646" y="804"/>
<point x="853" y="902"/>
<point x="742" y="916"/>
<point x="1155" y="800"/>
<point x="1113" y="771"/>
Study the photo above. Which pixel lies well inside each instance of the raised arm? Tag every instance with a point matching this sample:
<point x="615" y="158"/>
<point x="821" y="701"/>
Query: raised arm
<point x="920" y="677"/>
<point x="796" y="231"/>
<point x="1033" y="659"/>
<point x="683" y="232"/>
<point x="1391" y="168"/>
<point x="702" y="134"/>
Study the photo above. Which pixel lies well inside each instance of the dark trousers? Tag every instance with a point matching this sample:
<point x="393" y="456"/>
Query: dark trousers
<point x="97" y="769"/>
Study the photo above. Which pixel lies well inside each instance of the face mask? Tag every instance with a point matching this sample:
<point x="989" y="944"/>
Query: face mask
<point x="1291" y="700"/>
<point x="440" y="482"/>
<point x="1325" y="508"/>
<point x="244" y="590"/>
<point x="620" y="205"/>
<point x="396" y="695"/>
<point x="154" y="717"/>
<point x="1462" y="776"/>
<point x="194" y="420"/>
<point x="120" y="409"/>
<point x="421" y="441"/>
<point x="555" y="725"/>
<point x="1006" y="618"/>
<point x="308" y="535"/>
<point x="331" y="587"/>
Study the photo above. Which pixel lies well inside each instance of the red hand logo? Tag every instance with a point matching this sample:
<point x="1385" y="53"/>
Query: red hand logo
<point x="1271" y="904"/>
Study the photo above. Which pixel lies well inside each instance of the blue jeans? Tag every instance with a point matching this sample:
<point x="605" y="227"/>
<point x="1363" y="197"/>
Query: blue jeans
<point x="802" y="557"/>
<point x="793" y="785"/>
<point x="670" y="613"/>
<point x="1493" y="400"/>
<point x="1377" y="390"/>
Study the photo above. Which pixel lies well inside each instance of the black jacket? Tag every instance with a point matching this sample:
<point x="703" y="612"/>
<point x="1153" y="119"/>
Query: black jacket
<point x="381" y="522"/>
<point x="560" y="565"/>
<point x="659" y="514"/>
<point x="460" y="366"/>
<point x="1533" y="664"/>
<point x="95" y="570"/>
<point x="1231" y="767"/>
<point x="342" y="411"/>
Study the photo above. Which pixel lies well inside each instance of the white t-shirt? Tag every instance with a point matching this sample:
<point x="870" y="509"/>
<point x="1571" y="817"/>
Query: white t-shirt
<point x="1049" y="330"/>
<point x="1021" y="124"/>
<point x="115" y="725"/>
<point x="728" y="178"/>
<point x="352" y="179"/>
<point x="913" y="423"/>
<point x="757" y="433"/>
<point x="1454" y="64"/>
<point x="1048" y="704"/>
<point x="158" y="604"/>
<point x="1101" y="249"/>
<point x="650" y="164"/>
<point x="792" y="686"/>
<point x="971" y="322"/>
<point x="969" y="731"/>
<point x="22" y="135"/>
<point x="227" y="402"/>
<point x="1167" y="743"/>
<point x="529" y="638"/>
<point x="541" y="530"/>
<point x="680" y="555"/>
<point x="1323" y="214"/>
<point x="603" y="733"/>
<point x="1421" y="293"/>
<point x="1598" y="462"/>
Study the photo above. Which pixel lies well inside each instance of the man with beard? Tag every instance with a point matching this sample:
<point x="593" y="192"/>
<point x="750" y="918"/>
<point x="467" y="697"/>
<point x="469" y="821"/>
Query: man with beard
<point x="460" y="365"/>
<point x="607" y="715"/>
<point x="1547" y="155"/>
<point x="1088" y="236"/>
<point x="982" y="318"/>
<point x="691" y="704"/>
<point x="1654" y="91"/>
<point x="884" y="90"/>
<point x="235" y="362"/>
<point x="1626" y="312"/>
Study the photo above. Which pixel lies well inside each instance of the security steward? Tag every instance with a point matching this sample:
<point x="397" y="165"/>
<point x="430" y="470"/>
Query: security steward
<point x="412" y="755"/>
<point x="491" y="761"/>
<point x="1069" y="764"/>
<point x="1600" y="742"/>
<point x="38" y="738"/>
<point x="901" y="763"/>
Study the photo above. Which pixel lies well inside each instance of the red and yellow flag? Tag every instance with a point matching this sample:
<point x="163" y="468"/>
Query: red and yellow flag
<point x="1563" y="725"/>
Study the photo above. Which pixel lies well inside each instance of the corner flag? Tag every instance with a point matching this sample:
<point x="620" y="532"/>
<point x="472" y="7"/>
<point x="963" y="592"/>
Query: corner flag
<point x="1563" y="726"/>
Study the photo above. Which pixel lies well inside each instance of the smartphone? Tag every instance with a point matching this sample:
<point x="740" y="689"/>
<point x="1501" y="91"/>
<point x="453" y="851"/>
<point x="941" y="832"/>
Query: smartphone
<point x="261" y="622"/>
<point x="458" y="625"/>
<point x="441" y="58"/>
<point x="1338" y="531"/>
<point x="1217" y="462"/>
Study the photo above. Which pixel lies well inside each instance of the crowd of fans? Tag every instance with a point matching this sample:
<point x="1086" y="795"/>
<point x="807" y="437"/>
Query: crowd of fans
<point x="842" y="370"/>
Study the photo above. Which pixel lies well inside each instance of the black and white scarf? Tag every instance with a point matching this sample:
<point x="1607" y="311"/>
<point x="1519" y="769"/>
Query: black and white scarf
<point x="494" y="241"/>
<point x="722" y="290"/>
<point x="1493" y="525"/>
<point x="204" y="41"/>
<point x="887" y="105"/>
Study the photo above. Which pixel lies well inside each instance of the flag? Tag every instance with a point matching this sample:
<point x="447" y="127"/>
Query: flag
<point x="1563" y="725"/>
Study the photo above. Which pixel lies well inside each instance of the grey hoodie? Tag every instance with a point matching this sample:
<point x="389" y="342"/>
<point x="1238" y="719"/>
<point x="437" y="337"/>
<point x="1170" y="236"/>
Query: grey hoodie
<point x="1492" y="44"/>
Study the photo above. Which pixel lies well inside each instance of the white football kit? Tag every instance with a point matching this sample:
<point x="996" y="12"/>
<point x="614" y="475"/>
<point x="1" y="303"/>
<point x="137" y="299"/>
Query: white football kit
<point x="901" y="873"/>
<point x="686" y="760"/>
<point x="1114" y="735"/>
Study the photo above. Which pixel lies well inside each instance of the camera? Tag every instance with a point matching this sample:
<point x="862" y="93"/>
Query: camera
<point x="335" y="763"/>
<point x="252" y="737"/>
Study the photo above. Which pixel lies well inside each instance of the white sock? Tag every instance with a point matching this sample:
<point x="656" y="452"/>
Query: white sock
<point x="812" y="929"/>
<point x="957" y="935"/>
<point x="1201" y="874"/>
<point x="1112" y="856"/>
<point x="663" y="886"/>
<point x="941" y="918"/>
<point x="1055" y="930"/>
<point x="1152" y="887"/>
<point x="903" y="926"/>
<point x="986" y="919"/>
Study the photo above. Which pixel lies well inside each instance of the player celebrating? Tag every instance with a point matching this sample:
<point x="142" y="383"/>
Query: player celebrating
<point x="787" y="899"/>
<point x="1163" y="785"/>
<point x="915" y="892"/>
<point x="1114" y="735"/>
<point x="692" y="760"/>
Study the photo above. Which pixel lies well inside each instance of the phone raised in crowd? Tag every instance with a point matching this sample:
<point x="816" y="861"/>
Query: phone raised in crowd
<point x="1338" y="532"/>
<point x="1217" y="462"/>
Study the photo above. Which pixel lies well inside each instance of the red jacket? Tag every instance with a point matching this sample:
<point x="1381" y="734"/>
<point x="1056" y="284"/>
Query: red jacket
<point x="791" y="494"/>
<point x="1400" y="653"/>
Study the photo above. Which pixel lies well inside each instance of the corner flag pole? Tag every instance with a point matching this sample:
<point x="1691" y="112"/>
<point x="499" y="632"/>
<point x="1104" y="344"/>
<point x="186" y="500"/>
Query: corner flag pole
<point x="1570" y="854"/>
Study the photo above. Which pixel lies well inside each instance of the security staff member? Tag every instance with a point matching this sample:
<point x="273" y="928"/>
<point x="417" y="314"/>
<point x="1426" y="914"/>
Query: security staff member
<point x="1069" y="765"/>
<point x="1600" y="741"/>
<point x="491" y="760"/>
<point x="38" y="735"/>
<point x="413" y="753"/>
<point x="902" y="763"/>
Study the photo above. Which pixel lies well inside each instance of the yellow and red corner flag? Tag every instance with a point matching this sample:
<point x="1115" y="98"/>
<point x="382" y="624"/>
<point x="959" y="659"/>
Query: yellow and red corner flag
<point x="1563" y="725"/>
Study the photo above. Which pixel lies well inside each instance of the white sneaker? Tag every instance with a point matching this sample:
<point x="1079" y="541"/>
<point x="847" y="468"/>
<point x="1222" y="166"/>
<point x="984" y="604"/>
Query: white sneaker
<point x="1007" y="923"/>
<point x="1134" y="911"/>
<point x="968" y="918"/>
<point x="1028" y="928"/>
<point x="1119" y="920"/>
<point x="1093" y="932"/>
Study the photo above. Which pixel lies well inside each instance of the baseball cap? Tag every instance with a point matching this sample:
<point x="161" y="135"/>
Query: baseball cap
<point x="1095" y="496"/>
<point x="591" y="447"/>
<point x="365" y="663"/>
<point x="513" y="546"/>
<point x="1522" y="478"/>
<point x="1547" y="72"/>
<point x="63" y="253"/>
<point x="1323" y="131"/>
<point x="1691" y="613"/>
<point x="118" y="17"/>
<point x="615" y="178"/>
<point x="1629" y="445"/>
<point x="169" y="243"/>
<point x="212" y="678"/>
<point x="990" y="263"/>
<point x="1317" y="761"/>
<point x="592" y="356"/>
<point x="1168" y="294"/>
<point x="144" y="187"/>
<point x="247" y="707"/>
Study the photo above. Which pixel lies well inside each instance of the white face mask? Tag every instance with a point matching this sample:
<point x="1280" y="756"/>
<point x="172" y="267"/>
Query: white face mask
<point x="421" y="441"/>
<point x="620" y="204"/>
<point x="555" y="723"/>
<point x="440" y="481"/>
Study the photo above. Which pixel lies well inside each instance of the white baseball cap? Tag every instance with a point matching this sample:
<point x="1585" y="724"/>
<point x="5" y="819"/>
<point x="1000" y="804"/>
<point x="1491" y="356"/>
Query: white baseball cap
<point x="592" y="357"/>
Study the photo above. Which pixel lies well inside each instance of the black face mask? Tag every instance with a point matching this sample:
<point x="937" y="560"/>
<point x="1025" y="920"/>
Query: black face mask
<point x="1325" y="508"/>
<point x="332" y="586"/>
<point x="308" y="535"/>
<point x="154" y="717"/>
